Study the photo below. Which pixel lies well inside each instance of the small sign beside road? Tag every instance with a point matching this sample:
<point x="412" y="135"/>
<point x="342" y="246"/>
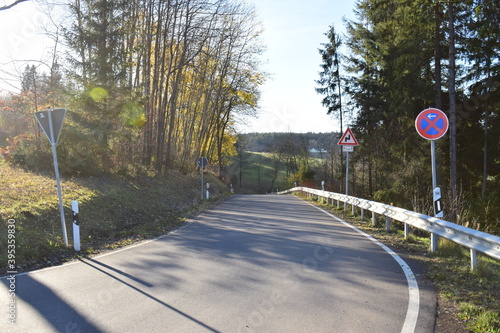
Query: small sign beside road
<point x="431" y="124"/>
<point x="348" y="139"/>
<point x="202" y="162"/>
<point x="51" y="121"/>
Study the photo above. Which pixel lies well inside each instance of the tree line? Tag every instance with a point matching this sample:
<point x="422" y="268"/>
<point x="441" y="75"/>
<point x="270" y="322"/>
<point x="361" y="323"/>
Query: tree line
<point x="148" y="85"/>
<point x="400" y="57"/>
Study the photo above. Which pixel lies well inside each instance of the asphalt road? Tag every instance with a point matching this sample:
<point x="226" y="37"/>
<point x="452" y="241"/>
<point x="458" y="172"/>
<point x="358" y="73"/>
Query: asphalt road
<point x="253" y="264"/>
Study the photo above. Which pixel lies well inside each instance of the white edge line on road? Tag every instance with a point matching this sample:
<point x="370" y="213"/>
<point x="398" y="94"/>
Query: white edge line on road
<point x="410" y="322"/>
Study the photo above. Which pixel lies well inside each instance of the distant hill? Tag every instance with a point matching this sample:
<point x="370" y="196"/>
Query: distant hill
<point x="263" y="142"/>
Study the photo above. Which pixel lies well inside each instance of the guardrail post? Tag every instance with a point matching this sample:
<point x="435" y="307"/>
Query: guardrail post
<point x="338" y="204"/>
<point x="407" y="230"/>
<point x="387" y="223"/>
<point x="473" y="259"/>
<point x="374" y="219"/>
<point x="362" y="214"/>
<point x="353" y="210"/>
<point x="434" y="242"/>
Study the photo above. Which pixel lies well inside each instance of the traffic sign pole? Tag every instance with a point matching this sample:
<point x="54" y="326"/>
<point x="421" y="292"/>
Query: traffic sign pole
<point x="202" y="162"/>
<point x="201" y="168"/>
<point x="58" y="179"/>
<point x="432" y="124"/>
<point x="347" y="173"/>
<point x="347" y="141"/>
<point x="433" y="161"/>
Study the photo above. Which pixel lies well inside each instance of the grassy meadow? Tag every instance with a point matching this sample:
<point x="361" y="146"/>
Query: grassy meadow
<point x="257" y="173"/>
<point x="114" y="211"/>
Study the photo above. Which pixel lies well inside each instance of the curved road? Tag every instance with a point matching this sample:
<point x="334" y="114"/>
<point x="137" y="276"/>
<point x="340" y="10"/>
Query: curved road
<point x="253" y="264"/>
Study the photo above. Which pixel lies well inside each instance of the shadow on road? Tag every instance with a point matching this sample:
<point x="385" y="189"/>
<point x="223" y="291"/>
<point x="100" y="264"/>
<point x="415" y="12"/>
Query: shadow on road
<point x="56" y="311"/>
<point x="94" y="264"/>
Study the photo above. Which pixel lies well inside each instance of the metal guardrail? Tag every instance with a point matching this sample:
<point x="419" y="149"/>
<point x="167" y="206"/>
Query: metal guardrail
<point x="473" y="239"/>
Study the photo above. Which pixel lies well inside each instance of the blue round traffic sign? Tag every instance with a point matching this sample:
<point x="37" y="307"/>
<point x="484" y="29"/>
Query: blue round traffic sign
<point x="431" y="124"/>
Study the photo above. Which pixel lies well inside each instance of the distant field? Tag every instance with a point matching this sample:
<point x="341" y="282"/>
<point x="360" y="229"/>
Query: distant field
<point x="257" y="173"/>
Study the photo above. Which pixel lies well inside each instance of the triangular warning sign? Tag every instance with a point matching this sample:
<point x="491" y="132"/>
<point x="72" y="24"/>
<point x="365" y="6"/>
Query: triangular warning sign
<point x="348" y="139"/>
<point x="51" y="119"/>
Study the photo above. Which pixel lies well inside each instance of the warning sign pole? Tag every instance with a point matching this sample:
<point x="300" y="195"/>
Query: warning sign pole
<point x="52" y="131"/>
<point x="347" y="141"/>
<point x="347" y="173"/>
<point x="58" y="178"/>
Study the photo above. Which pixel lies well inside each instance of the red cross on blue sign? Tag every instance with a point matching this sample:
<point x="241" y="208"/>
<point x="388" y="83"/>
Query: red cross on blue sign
<point x="431" y="124"/>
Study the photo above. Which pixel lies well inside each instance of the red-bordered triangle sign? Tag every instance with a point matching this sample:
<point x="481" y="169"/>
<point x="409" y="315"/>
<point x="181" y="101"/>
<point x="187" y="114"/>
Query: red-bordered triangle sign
<point x="348" y="139"/>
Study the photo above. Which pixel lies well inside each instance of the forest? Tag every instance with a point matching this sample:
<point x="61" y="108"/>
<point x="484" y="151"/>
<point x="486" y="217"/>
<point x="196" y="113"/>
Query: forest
<point x="152" y="85"/>
<point x="403" y="56"/>
<point x="149" y="86"/>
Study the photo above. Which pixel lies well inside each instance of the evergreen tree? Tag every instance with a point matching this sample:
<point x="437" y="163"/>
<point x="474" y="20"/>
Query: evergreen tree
<point x="330" y="79"/>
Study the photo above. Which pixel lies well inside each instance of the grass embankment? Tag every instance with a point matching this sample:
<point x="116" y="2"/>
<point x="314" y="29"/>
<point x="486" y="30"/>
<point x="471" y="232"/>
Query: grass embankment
<point x="471" y="298"/>
<point x="113" y="212"/>
<point x="257" y="173"/>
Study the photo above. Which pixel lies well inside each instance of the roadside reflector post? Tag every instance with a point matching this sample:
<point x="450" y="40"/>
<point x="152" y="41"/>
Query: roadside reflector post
<point x="76" y="225"/>
<point x="323" y="196"/>
<point x="208" y="193"/>
<point x="202" y="163"/>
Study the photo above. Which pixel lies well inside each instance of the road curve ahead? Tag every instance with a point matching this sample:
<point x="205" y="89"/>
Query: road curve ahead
<point x="253" y="264"/>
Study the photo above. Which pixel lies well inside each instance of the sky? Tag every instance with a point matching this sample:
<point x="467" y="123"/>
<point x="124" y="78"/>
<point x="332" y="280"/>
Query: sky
<point x="293" y="33"/>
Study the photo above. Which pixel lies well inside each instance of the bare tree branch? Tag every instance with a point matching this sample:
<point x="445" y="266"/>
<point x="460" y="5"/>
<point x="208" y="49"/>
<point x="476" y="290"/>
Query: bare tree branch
<point x="12" y="5"/>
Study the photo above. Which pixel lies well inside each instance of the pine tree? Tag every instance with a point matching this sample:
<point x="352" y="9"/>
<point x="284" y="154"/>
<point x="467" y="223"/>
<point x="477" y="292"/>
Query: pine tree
<point x="330" y="79"/>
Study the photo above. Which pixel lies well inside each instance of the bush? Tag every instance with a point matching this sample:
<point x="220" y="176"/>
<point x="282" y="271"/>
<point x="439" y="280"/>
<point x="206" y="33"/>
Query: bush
<point x="28" y="152"/>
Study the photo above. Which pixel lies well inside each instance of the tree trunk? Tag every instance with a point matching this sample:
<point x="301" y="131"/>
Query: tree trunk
<point x="452" y="112"/>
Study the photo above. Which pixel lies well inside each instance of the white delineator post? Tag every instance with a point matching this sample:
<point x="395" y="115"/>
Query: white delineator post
<point x="76" y="225"/>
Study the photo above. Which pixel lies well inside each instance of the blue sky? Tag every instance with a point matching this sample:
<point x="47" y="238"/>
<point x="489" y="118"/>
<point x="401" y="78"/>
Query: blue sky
<point x="293" y="33"/>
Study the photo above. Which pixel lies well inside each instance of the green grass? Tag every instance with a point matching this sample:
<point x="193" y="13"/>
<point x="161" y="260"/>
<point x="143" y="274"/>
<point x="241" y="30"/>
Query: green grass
<point x="114" y="212"/>
<point x="258" y="170"/>
<point x="476" y="293"/>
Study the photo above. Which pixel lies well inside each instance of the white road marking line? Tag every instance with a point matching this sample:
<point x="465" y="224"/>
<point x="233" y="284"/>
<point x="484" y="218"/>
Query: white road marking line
<point x="410" y="322"/>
